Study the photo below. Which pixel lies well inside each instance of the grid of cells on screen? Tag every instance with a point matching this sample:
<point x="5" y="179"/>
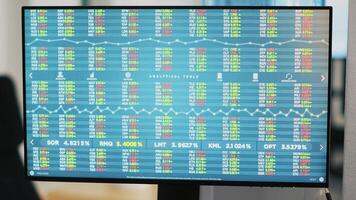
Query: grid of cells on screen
<point x="196" y="94"/>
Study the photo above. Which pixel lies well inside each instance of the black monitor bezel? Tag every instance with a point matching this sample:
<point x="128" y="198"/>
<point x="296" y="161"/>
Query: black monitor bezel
<point x="180" y="181"/>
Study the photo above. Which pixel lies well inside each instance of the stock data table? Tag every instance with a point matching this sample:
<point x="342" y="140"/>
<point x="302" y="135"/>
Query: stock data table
<point x="193" y="94"/>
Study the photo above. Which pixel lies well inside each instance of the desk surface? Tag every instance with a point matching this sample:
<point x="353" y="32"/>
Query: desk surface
<point x="103" y="192"/>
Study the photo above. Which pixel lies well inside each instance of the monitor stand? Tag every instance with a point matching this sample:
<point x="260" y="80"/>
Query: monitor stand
<point x="179" y="191"/>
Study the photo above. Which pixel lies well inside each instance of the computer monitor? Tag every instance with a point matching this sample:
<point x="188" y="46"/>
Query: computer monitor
<point x="206" y="95"/>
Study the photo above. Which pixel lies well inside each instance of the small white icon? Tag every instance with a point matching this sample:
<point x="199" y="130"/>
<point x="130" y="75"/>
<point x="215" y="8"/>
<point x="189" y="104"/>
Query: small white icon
<point x="219" y="76"/>
<point x="289" y="76"/>
<point x="91" y="77"/>
<point x="128" y="75"/>
<point x="321" y="179"/>
<point x="322" y="78"/>
<point x="32" y="173"/>
<point x="255" y="77"/>
<point x="60" y="76"/>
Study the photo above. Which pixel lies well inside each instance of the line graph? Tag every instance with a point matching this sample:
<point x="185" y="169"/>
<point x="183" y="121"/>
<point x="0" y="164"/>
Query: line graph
<point x="192" y="111"/>
<point x="176" y="41"/>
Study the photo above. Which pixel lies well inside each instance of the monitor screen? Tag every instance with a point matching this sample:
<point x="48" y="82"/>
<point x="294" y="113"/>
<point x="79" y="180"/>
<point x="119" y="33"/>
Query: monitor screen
<point x="212" y="95"/>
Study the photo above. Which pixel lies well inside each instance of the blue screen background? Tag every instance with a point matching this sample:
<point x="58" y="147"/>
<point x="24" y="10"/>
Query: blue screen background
<point x="193" y="94"/>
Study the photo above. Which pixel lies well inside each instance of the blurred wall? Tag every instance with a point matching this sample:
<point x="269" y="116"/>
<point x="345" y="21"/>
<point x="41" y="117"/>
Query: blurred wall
<point x="10" y="41"/>
<point x="340" y="19"/>
<point x="349" y="192"/>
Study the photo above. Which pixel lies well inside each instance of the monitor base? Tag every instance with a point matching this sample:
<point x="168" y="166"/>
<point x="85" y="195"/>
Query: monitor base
<point x="178" y="191"/>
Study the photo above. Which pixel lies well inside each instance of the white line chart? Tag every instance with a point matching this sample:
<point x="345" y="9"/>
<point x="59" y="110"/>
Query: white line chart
<point x="176" y="41"/>
<point x="192" y="111"/>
